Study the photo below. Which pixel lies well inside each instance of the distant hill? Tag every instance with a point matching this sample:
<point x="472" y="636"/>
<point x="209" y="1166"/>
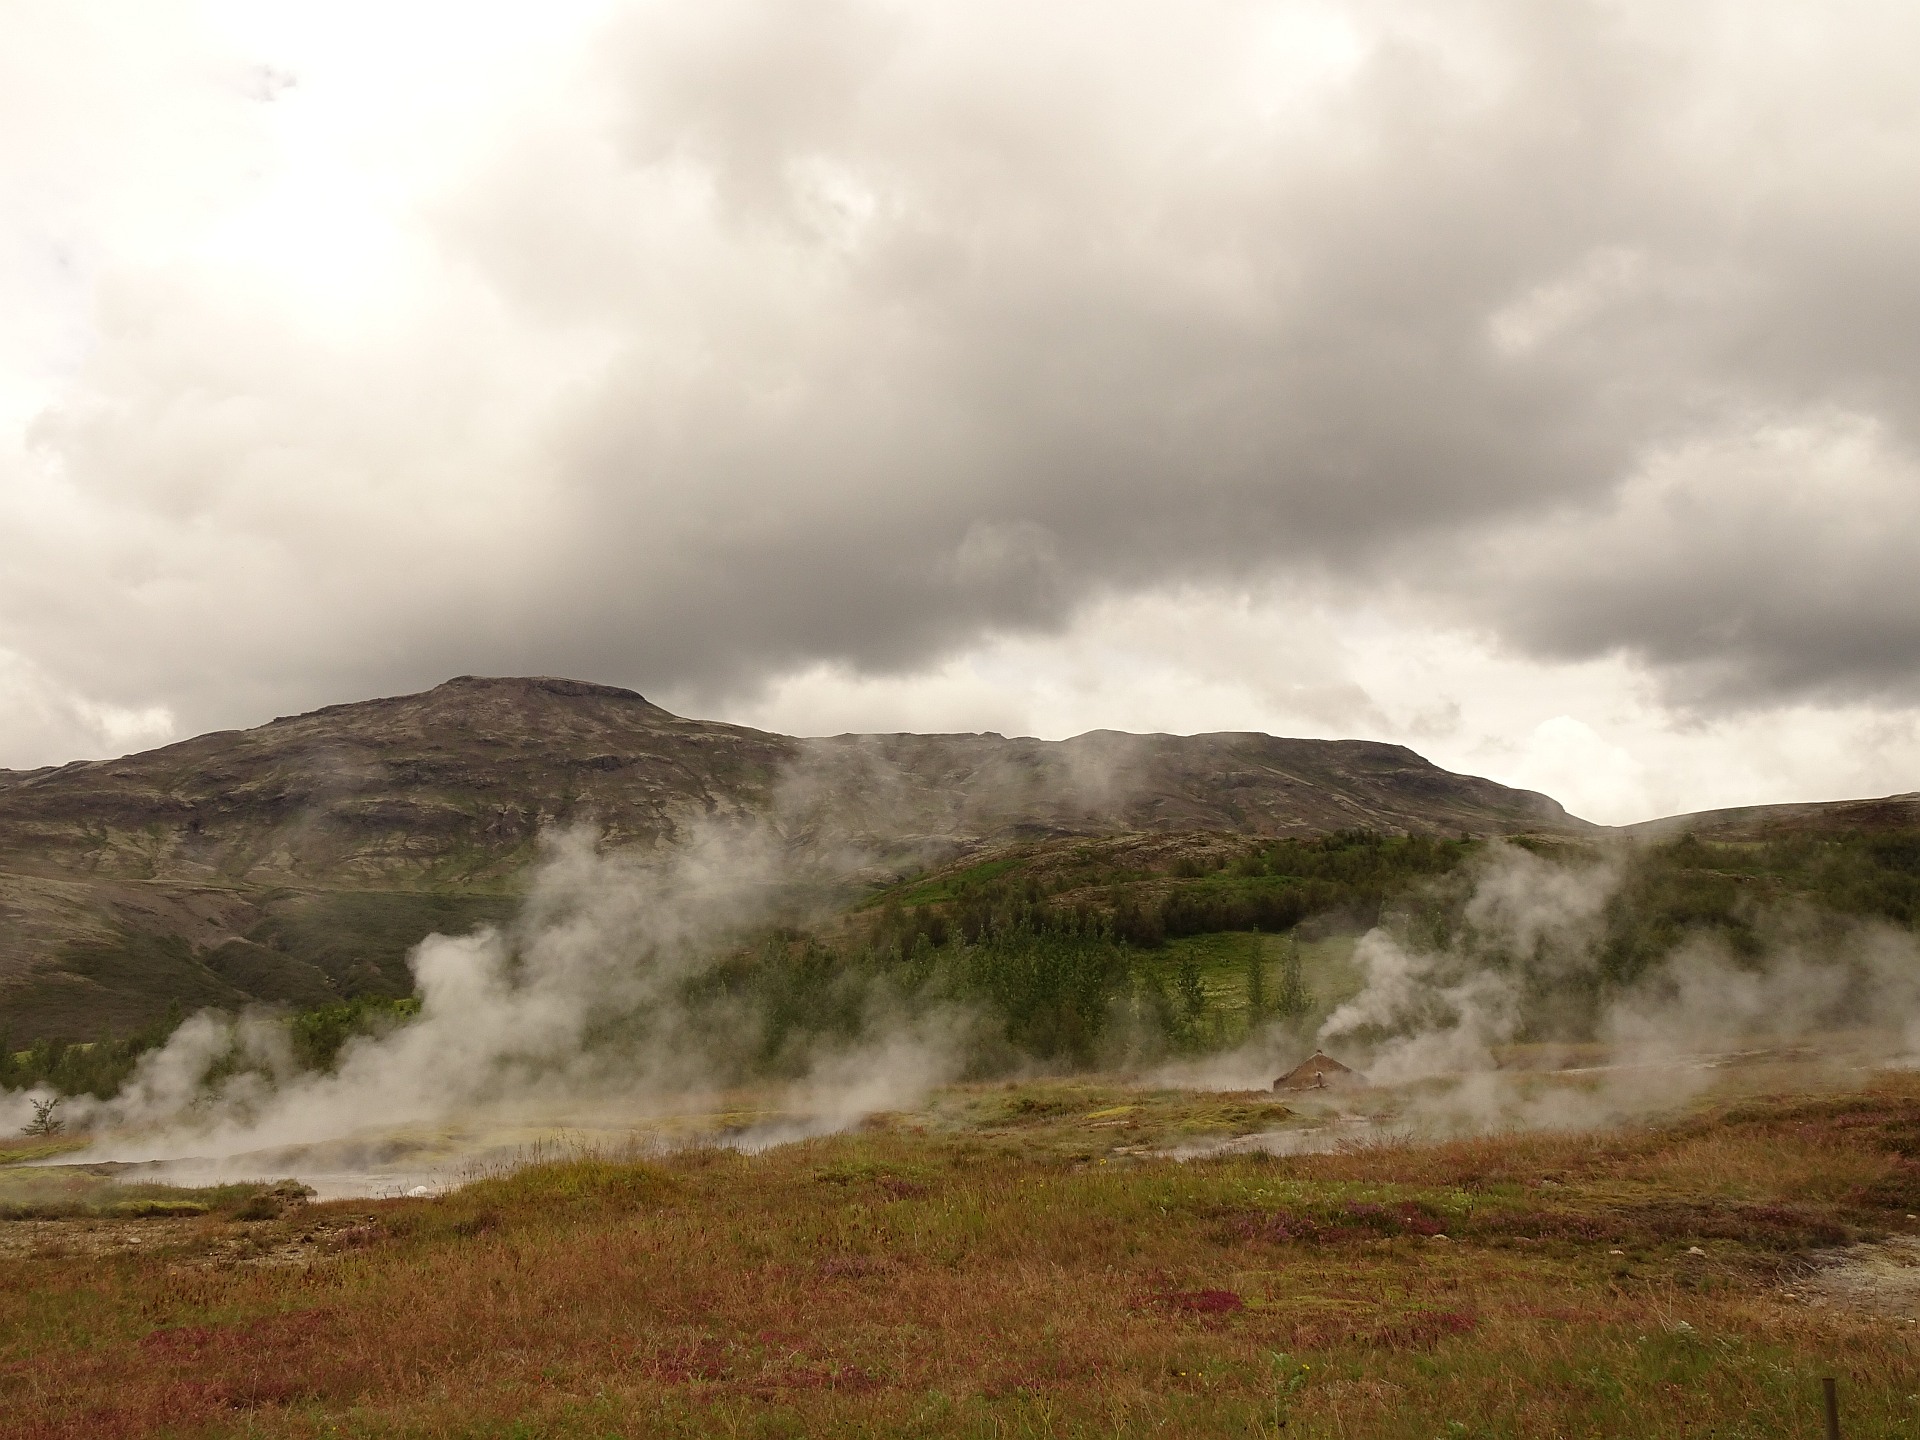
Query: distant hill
<point x="299" y="861"/>
<point x="1774" y="822"/>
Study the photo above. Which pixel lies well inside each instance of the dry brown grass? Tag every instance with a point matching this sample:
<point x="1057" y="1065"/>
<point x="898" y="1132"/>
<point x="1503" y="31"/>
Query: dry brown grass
<point x="959" y="1283"/>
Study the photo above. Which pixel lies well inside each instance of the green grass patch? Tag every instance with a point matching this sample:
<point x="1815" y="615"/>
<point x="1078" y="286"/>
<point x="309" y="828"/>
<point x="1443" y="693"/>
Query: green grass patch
<point x="945" y="887"/>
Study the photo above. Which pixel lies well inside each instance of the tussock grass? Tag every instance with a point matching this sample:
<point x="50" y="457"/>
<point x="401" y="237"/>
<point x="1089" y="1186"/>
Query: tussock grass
<point x="61" y="1192"/>
<point x="993" y="1277"/>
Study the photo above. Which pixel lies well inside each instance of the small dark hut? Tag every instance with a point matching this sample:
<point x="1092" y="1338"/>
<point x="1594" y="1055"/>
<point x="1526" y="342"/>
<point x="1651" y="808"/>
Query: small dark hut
<point x="1317" y="1072"/>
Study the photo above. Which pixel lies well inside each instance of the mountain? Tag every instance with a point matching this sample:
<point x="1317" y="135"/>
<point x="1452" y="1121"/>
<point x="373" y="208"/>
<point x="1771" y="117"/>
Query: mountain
<point x="299" y="861"/>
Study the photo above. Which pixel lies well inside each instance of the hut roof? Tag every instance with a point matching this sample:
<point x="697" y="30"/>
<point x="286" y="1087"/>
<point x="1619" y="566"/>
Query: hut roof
<point x="1316" y="1070"/>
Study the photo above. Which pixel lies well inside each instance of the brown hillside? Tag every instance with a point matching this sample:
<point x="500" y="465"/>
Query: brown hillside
<point x="1772" y="822"/>
<point x="299" y="860"/>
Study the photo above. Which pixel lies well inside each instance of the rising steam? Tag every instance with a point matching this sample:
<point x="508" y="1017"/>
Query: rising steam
<point x="603" y="990"/>
<point x="612" y="988"/>
<point x="1527" y="965"/>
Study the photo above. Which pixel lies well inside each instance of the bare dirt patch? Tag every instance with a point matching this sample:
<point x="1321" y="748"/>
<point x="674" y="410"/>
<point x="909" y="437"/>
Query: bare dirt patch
<point x="1881" y="1276"/>
<point x="66" y="1237"/>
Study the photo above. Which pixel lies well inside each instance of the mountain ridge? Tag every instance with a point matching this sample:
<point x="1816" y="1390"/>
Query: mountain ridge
<point x="300" y="859"/>
<point x="489" y="761"/>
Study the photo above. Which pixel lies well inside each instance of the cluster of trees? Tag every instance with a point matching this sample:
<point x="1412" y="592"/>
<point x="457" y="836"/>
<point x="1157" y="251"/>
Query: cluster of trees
<point x="1746" y="901"/>
<point x="1744" y="895"/>
<point x="98" y="1068"/>
<point x="1071" y="975"/>
<point x="1348" y="876"/>
<point x="1070" y="964"/>
<point x="101" y="1067"/>
<point x="318" y="1036"/>
<point x="1065" y="957"/>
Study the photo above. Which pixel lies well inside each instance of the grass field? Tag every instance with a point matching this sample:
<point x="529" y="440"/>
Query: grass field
<point x="1017" y="1261"/>
<point x="1327" y="971"/>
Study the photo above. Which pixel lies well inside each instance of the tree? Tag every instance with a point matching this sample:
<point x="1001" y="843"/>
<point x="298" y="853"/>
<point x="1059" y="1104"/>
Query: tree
<point x="1294" y="999"/>
<point x="45" y="1123"/>
<point x="1256" y="982"/>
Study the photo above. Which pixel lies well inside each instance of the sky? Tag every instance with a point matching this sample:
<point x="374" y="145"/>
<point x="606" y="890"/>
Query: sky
<point x="1534" y="385"/>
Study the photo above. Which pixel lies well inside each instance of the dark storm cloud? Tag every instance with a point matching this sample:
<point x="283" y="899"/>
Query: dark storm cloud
<point x="1768" y="564"/>
<point x="858" y="330"/>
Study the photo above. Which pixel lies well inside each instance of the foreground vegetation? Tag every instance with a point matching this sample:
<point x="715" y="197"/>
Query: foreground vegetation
<point x="1002" y="1265"/>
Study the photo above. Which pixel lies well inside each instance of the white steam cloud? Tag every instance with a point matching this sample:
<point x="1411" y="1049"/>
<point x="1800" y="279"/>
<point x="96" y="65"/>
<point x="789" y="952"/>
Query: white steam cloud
<point x="1529" y="965"/>
<point x="612" y="989"/>
<point x="606" y="990"/>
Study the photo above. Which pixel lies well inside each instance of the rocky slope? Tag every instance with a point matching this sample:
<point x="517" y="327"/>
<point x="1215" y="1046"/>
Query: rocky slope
<point x="298" y="861"/>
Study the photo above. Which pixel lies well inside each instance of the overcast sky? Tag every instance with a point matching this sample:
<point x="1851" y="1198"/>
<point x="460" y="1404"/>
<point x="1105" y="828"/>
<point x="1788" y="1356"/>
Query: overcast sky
<point x="1534" y="384"/>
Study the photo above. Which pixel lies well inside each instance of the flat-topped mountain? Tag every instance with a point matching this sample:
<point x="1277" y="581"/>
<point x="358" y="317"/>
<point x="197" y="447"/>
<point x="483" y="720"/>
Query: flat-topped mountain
<point x="450" y="785"/>
<point x="299" y="860"/>
<point x="455" y="784"/>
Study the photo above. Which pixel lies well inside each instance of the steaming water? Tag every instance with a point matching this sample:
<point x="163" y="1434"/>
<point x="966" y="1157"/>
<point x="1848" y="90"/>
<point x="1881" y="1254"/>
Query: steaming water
<point x="1590" y="1096"/>
<point x="1578" y="1096"/>
<point x="381" y="1183"/>
<point x="398" y="1161"/>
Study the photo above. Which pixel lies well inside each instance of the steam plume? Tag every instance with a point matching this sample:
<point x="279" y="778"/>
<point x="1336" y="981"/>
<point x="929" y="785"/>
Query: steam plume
<point x="604" y="989"/>
<point x="1528" y="963"/>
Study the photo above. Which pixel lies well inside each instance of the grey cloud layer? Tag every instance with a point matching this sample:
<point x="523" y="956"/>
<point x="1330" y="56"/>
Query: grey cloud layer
<point x="774" y="335"/>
